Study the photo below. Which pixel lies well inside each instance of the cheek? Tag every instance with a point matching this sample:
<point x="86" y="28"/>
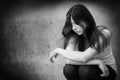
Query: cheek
<point x="80" y="28"/>
<point x="77" y="28"/>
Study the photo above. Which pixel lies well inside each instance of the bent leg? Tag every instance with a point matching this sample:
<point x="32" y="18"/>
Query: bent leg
<point x="89" y="72"/>
<point x="71" y="72"/>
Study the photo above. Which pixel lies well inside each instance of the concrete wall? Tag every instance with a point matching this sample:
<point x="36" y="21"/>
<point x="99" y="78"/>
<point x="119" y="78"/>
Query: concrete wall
<point x="30" y="31"/>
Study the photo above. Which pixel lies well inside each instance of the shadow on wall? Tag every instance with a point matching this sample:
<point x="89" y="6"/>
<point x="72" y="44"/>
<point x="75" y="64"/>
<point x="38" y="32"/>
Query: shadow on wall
<point x="26" y="44"/>
<point x="29" y="32"/>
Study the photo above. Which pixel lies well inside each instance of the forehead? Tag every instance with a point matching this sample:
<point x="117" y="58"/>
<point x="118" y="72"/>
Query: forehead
<point x="80" y="21"/>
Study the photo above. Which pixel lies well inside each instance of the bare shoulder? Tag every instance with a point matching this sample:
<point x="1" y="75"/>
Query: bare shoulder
<point x="105" y="31"/>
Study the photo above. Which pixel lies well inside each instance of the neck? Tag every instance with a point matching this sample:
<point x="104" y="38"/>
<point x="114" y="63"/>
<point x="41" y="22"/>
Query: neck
<point x="84" y="35"/>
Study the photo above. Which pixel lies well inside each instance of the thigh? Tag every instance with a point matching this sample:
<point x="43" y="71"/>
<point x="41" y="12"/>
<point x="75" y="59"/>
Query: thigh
<point x="71" y="72"/>
<point x="89" y="72"/>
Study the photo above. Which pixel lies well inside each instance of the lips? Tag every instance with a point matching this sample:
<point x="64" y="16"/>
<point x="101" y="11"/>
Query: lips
<point x="79" y="32"/>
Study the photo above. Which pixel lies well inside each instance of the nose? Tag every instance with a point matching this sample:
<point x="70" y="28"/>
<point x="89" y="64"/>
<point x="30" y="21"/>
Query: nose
<point x="74" y="28"/>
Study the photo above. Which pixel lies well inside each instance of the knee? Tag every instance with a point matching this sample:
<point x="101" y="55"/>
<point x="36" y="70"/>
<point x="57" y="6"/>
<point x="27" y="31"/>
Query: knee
<point x="84" y="71"/>
<point x="70" y="71"/>
<point x="88" y="71"/>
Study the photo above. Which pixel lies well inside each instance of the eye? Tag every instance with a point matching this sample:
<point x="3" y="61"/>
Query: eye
<point x="83" y="24"/>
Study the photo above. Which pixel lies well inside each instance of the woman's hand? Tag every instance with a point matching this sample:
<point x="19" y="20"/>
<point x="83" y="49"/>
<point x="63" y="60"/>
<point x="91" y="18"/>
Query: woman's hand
<point x="53" y="55"/>
<point x="104" y="69"/>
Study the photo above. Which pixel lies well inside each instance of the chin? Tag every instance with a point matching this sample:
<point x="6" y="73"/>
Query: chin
<point x="79" y="33"/>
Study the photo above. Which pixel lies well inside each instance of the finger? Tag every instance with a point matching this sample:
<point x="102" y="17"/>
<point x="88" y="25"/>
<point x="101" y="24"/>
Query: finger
<point x="56" y="55"/>
<point x="107" y="74"/>
<point x="51" y="59"/>
<point x="103" y="75"/>
<point x="107" y="71"/>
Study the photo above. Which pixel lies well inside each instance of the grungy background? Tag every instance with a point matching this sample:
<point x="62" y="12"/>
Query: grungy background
<point x="30" y="29"/>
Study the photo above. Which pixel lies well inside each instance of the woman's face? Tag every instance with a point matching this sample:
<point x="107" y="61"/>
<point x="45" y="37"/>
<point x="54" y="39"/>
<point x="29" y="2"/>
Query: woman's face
<point x="79" y="29"/>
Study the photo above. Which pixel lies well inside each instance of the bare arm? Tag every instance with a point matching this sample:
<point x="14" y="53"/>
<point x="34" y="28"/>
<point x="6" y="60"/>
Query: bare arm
<point x="77" y="55"/>
<point x="108" y="34"/>
<point x="70" y="53"/>
<point x="84" y="56"/>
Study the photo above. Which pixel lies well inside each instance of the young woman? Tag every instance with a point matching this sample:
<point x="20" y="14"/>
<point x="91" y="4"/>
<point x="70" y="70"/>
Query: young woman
<point x="87" y="47"/>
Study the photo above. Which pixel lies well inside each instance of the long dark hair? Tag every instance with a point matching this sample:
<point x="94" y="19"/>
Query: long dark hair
<point x="80" y="12"/>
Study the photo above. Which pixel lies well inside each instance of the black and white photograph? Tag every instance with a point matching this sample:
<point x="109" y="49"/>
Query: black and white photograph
<point x="59" y="40"/>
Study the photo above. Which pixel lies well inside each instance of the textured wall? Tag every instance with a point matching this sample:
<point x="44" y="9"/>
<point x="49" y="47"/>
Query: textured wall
<point x="30" y="32"/>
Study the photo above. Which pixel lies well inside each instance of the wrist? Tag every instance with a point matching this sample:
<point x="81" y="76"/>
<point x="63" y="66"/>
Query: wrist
<point x="57" y="50"/>
<point x="95" y="61"/>
<point x="60" y="51"/>
<point x="101" y="62"/>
